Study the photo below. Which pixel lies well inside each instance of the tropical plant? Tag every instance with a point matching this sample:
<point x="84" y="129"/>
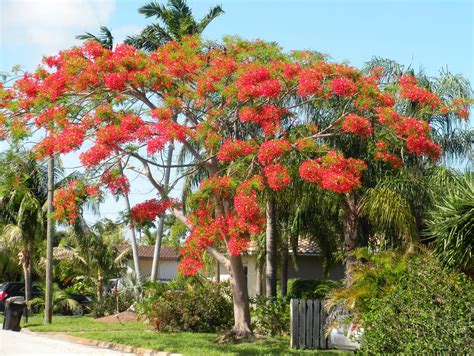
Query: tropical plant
<point x="175" y="21"/>
<point x="94" y="250"/>
<point x="23" y="194"/>
<point x="62" y="302"/>
<point x="427" y="310"/>
<point x="450" y="224"/>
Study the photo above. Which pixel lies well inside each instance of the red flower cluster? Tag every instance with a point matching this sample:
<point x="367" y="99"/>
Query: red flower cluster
<point x="116" y="182"/>
<point x="383" y="155"/>
<point x="416" y="133"/>
<point x="410" y="90"/>
<point x="232" y="149"/>
<point x="271" y="150"/>
<point x="277" y="176"/>
<point x="94" y="155"/>
<point x="149" y="210"/>
<point x="116" y="81"/>
<point x="257" y="82"/>
<point x="65" y="141"/>
<point x="343" y="87"/>
<point x="268" y="117"/>
<point x="357" y="125"/>
<point x="333" y="172"/>
<point x="66" y="202"/>
<point x="309" y="81"/>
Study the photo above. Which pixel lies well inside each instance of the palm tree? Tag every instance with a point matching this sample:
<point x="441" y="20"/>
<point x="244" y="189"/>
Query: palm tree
<point x="104" y="37"/>
<point x="175" y="20"/>
<point x="94" y="250"/>
<point x="450" y="224"/>
<point x="23" y="195"/>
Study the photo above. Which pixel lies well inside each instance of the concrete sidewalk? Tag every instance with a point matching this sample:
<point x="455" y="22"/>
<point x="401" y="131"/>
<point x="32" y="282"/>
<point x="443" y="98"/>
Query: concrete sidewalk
<point x="20" y="344"/>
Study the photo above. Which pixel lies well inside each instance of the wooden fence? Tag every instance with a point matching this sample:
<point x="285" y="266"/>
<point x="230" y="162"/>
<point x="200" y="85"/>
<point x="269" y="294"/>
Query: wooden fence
<point x="307" y="324"/>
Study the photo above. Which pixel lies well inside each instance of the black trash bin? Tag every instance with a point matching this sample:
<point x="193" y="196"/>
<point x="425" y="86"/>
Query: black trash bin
<point x="14" y="308"/>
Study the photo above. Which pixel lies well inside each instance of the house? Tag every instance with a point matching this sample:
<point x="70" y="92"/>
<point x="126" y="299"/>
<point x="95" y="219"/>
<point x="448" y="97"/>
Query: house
<point x="308" y="265"/>
<point x="168" y="268"/>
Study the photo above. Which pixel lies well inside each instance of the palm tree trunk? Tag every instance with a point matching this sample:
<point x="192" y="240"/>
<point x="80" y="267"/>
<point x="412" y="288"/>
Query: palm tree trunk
<point x="48" y="300"/>
<point x="155" y="269"/>
<point x="284" y="269"/>
<point x="351" y="226"/>
<point x="271" y="250"/>
<point x="99" y="295"/>
<point x="135" y="255"/>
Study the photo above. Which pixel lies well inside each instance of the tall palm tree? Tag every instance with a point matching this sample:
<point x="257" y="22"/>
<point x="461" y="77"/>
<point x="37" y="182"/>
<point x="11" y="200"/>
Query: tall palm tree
<point x="104" y="37"/>
<point x="23" y="195"/>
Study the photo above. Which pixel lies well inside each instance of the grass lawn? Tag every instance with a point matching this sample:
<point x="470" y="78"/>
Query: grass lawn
<point x="138" y="334"/>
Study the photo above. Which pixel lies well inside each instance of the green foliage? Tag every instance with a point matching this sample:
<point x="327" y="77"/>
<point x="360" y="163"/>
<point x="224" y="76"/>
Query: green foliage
<point x="196" y="307"/>
<point x="407" y="303"/>
<point x="308" y="289"/>
<point x="428" y="311"/>
<point x="451" y="224"/>
<point x="271" y="316"/>
<point x="62" y="302"/>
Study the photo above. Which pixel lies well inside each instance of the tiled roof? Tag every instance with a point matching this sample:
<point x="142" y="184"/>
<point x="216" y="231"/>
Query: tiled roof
<point x="305" y="247"/>
<point x="146" y="251"/>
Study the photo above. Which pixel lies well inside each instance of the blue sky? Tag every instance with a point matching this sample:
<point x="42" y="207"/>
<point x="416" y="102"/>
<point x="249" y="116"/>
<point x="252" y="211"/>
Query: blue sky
<point x="423" y="34"/>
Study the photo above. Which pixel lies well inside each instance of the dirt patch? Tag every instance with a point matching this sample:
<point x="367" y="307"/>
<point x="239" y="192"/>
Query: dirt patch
<point x="119" y="318"/>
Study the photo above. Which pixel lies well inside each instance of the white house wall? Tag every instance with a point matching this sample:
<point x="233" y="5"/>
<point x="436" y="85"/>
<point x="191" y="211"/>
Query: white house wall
<point x="168" y="269"/>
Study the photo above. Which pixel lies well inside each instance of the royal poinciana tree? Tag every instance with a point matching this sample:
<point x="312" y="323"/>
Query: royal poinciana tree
<point x="241" y="110"/>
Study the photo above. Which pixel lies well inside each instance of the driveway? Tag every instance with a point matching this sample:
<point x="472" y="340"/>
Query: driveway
<point x="19" y="344"/>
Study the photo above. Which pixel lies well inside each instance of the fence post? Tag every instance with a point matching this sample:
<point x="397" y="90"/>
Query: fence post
<point x="294" y="323"/>
<point x="309" y="323"/>
<point x="322" y="322"/>
<point x="302" y="324"/>
<point x="316" y="319"/>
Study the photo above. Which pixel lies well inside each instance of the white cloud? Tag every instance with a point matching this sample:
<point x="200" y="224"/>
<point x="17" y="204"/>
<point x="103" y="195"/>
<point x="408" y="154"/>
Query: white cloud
<point x="46" y="26"/>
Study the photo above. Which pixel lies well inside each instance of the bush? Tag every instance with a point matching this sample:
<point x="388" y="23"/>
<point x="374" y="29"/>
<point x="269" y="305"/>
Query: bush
<point x="429" y="311"/>
<point x="407" y="303"/>
<point x="203" y="307"/>
<point x="271" y="316"/>
<point x="308" y="289"/>
<point x="119" y="302"/>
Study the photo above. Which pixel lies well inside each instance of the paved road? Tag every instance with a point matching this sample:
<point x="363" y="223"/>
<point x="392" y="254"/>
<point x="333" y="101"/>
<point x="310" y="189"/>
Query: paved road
<point x="20" y="344"/>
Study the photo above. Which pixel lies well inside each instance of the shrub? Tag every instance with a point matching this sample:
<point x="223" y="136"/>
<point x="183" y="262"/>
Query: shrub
<point x="202" y="307"/>
<point x="408" y="303"/>
<point x="429" y="311"/>
<point x="271" y="316"/>
<point x="308" y="289"/>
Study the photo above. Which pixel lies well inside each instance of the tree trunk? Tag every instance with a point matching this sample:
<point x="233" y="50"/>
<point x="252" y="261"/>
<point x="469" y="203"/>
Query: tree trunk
<point x="271" y="250"/>
<point x="155" y="269"/>
<point x="48" y="300"/>
<point x="284" y="269"/>
<point x="99" y="295"/>
<point x="135" y="255"/>
<point x="242" y="328"/>
<point x="351" y="225"/>
<point x="218" y="271"/>
<point x="259" y="287"/>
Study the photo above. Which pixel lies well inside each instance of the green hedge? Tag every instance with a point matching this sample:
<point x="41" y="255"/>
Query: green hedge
<point x="428" y="312"/>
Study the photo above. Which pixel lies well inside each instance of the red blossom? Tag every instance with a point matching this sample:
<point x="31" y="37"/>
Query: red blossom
<point x="343" y="87"/>
<point x="232" y="149"/>
<point x="357" y="125"/>
<point x="333" y="172"/>
<point x="271" y="150"/>
<point x="149" y="210"/>
<point x="277" y="176"/>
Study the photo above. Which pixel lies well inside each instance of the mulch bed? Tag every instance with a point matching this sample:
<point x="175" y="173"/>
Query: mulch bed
<point x="119" y="318"/>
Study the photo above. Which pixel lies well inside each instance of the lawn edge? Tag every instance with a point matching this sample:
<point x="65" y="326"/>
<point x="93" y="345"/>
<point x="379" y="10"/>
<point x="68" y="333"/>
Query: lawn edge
<point x="102" y="344"/>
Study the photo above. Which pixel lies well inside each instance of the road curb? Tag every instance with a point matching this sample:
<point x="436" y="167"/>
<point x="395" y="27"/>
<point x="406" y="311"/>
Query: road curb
<point x="102" y="344"/>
